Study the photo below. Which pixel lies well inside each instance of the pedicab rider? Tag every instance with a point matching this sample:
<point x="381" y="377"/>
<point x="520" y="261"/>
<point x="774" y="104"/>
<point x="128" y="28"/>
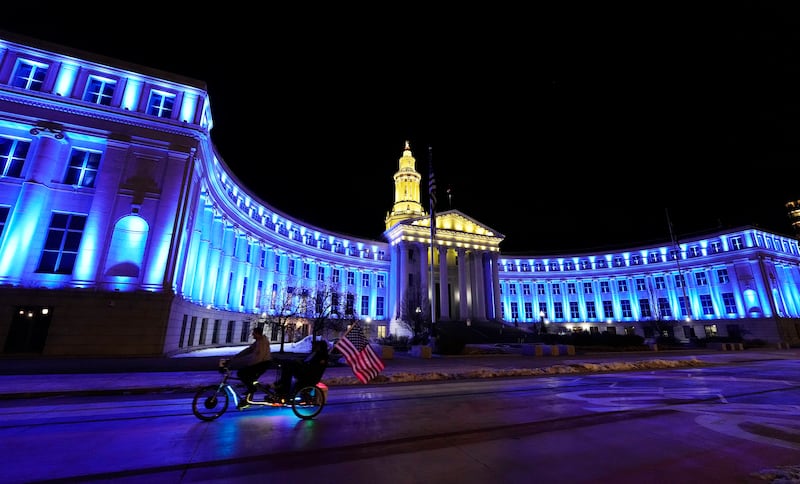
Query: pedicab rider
<point x="252" y="361"/>
<point x="307" y="371"/>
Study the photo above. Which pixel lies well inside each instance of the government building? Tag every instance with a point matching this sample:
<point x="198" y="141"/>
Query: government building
<point x="124" y="233"/>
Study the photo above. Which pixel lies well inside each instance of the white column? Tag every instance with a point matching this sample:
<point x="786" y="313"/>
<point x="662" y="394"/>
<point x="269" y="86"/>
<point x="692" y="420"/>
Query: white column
<point x="478" y="288"/>
<point x="444" y="294"/>
<point x="463" y="292"/>
<point x="495" y="285"/>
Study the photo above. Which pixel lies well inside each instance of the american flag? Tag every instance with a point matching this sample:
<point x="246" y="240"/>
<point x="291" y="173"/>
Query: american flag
<point x="355" y="347"/>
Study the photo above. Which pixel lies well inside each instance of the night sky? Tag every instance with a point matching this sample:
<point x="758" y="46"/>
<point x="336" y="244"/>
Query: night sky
<point x="564" y="130"/>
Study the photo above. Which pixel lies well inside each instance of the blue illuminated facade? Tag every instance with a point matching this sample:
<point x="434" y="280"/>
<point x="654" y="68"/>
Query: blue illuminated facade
<point x="123" y="232"/>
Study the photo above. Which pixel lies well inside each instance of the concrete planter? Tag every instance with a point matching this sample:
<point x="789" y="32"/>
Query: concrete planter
<point x="420" y="351"/>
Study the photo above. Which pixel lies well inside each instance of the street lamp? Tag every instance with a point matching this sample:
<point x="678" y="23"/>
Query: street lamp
<point x="542" y="329"/>
<point x="417" y="322"/>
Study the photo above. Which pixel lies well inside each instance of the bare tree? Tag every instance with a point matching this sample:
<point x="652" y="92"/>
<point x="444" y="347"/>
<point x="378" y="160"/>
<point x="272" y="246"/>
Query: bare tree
<point x="415" y="315"/>
<point x="327" y="313"/>
<point x="286" y="305"/>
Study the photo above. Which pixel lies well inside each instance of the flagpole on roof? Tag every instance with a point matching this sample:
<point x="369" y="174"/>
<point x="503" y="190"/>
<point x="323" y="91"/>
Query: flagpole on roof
<point x="432" y="200"/>
<point x="677" y="248"/>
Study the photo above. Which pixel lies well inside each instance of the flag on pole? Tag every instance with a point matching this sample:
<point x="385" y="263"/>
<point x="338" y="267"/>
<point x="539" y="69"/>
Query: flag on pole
<point x="355" y="347"/>
<point x="432" y="190"/>
<point x="431" y="180"/>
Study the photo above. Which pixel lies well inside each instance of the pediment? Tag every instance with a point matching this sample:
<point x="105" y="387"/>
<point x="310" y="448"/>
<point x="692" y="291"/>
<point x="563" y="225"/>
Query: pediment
<point x="449" y="224"/>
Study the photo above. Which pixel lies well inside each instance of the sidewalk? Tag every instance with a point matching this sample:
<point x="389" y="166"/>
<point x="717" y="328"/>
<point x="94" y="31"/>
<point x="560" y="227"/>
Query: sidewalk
<point x="41" y="376"/>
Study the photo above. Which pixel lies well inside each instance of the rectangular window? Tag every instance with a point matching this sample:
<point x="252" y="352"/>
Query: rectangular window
<point x="571" y="288"/>
<point x="587" y="288"/>
<point x="320" y="273"/>
<point x="644" y="308"/>
<point x="556" y="289"/>
<point x="203" y="330"/>
<point x="306" y="270"/>
<point x="542" y="311"/>
<point x="591" y="310"/>
<point x="229" y="331"/>
<point x="558" y="310"/>
<point x="3" y="218"/>
<point x="608" y="309"/>
<point x="215" y="331"/>
<point x="526" y="289"/>
<point x="604" y="287"/>
<point x="640" y="285"/>
<point x="292" y="267"/>
<point x="622" y="285"/>
<point x="706" y="305"/>
<point x="660" y="282"/>
<point x="700" y="278"/>
<point x="625" y="305"/>
<point x="192" y="328"/>
<point x="12" y="156"/>
<point x="277" y="262"/>
<point x="528" y="311"/>
<point x="512" y="289"/>
<point x="736" y="243"/>
<point x="514" y="311"/>
<point x="722" y="276"/>
<point x="61" y="245"/>
<point x="29" y="75"/>
<point x="381" y="282"/>
<point x="259" y="294"/>
<point x="82" y="169"/>
<point x="244" y="335"/>
<point x="379" y="307"/>
<point x="679" y="280"/>
<point x="335" y="275"/>
<point x="730" y="302"/>
<point x="684" y="304"/>
<point x="663" y="307"/>
<point x="540" y="289"/>
<point x="349" y="303"/>
<point x="715" y="247"/>
<point x="351" y="278"/>
<point x="244" y="291"/>
<point x="364" y="305"/>
<point x="160" y="104"/>
<point x="99" y="90"/>
<point x="574" y="312"/>
<point x="364" y="280"/>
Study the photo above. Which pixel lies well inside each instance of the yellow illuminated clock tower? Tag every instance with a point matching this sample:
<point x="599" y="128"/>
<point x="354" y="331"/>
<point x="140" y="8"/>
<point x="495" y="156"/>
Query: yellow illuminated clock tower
<point x="406" y="191"/>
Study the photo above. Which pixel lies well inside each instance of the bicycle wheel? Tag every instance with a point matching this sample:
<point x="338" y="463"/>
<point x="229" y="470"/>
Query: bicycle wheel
<point x="308" y="401"/>
<point x="210" y="402"/>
